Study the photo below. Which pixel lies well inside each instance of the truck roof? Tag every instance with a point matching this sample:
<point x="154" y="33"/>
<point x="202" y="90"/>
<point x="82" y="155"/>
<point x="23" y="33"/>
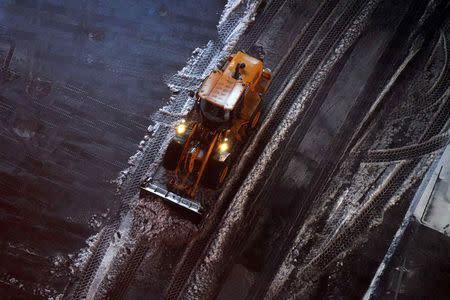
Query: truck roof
<point x="222" y="89"/>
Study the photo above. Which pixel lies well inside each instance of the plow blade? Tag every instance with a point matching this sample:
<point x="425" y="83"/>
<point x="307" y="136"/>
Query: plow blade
<point x="193" y="209"/>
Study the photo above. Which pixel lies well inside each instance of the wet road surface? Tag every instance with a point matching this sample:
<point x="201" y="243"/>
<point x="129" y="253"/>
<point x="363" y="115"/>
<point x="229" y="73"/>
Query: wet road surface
<point x="83" y="81"/>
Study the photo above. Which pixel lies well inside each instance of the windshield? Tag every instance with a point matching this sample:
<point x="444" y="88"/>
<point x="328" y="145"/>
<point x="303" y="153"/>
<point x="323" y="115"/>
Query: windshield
<point x="213" y="112"/>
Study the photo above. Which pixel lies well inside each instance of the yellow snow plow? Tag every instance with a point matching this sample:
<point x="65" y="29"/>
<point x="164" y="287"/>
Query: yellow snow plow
<point x="205" y="144"/>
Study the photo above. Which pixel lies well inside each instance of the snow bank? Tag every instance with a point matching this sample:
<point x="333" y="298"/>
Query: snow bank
<point x="202" y="284"/>
<point x="147" y="219"/>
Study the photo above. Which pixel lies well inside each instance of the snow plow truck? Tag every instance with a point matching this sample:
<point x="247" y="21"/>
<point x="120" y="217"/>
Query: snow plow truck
<point x="205" y="143"/>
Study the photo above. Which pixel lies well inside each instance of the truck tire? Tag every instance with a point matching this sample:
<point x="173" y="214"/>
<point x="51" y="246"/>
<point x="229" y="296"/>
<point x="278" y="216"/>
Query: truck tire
<point x="250" y="128"/>
<point x="172" y="155"/>
<point x="216" y="173"/>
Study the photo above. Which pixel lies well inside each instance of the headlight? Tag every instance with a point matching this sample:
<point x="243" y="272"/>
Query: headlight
<point x="224" y="146"/>
<point x="181" y="128"/>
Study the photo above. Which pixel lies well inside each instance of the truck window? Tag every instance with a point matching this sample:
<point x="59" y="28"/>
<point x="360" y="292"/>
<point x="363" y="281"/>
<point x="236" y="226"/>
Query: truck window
<point x="213" y="112"/>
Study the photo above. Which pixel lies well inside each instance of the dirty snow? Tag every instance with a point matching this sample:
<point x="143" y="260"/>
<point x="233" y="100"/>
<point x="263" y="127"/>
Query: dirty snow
<point x="161" y="228"/>
<point x="309" y="230"/>
<point x="202" y="284"/>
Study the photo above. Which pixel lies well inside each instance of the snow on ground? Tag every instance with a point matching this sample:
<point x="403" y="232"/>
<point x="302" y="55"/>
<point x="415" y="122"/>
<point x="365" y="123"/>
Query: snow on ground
<point x="228" y="9"/>
<point x="235" y="19"/>
<point x="203" y="284"/>
<point x="423" y="193"/>
<point x="159" y="223"/>
<point x="44" y="292"/>
<point x="156" y="222"/>
<point x="121" y="237"/>
<point x="79" y="261"/>
<point x="358" y="191"/>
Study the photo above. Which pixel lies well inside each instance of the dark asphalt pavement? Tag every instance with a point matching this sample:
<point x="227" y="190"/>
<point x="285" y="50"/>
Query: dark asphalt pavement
<point x="90" y="74"/>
